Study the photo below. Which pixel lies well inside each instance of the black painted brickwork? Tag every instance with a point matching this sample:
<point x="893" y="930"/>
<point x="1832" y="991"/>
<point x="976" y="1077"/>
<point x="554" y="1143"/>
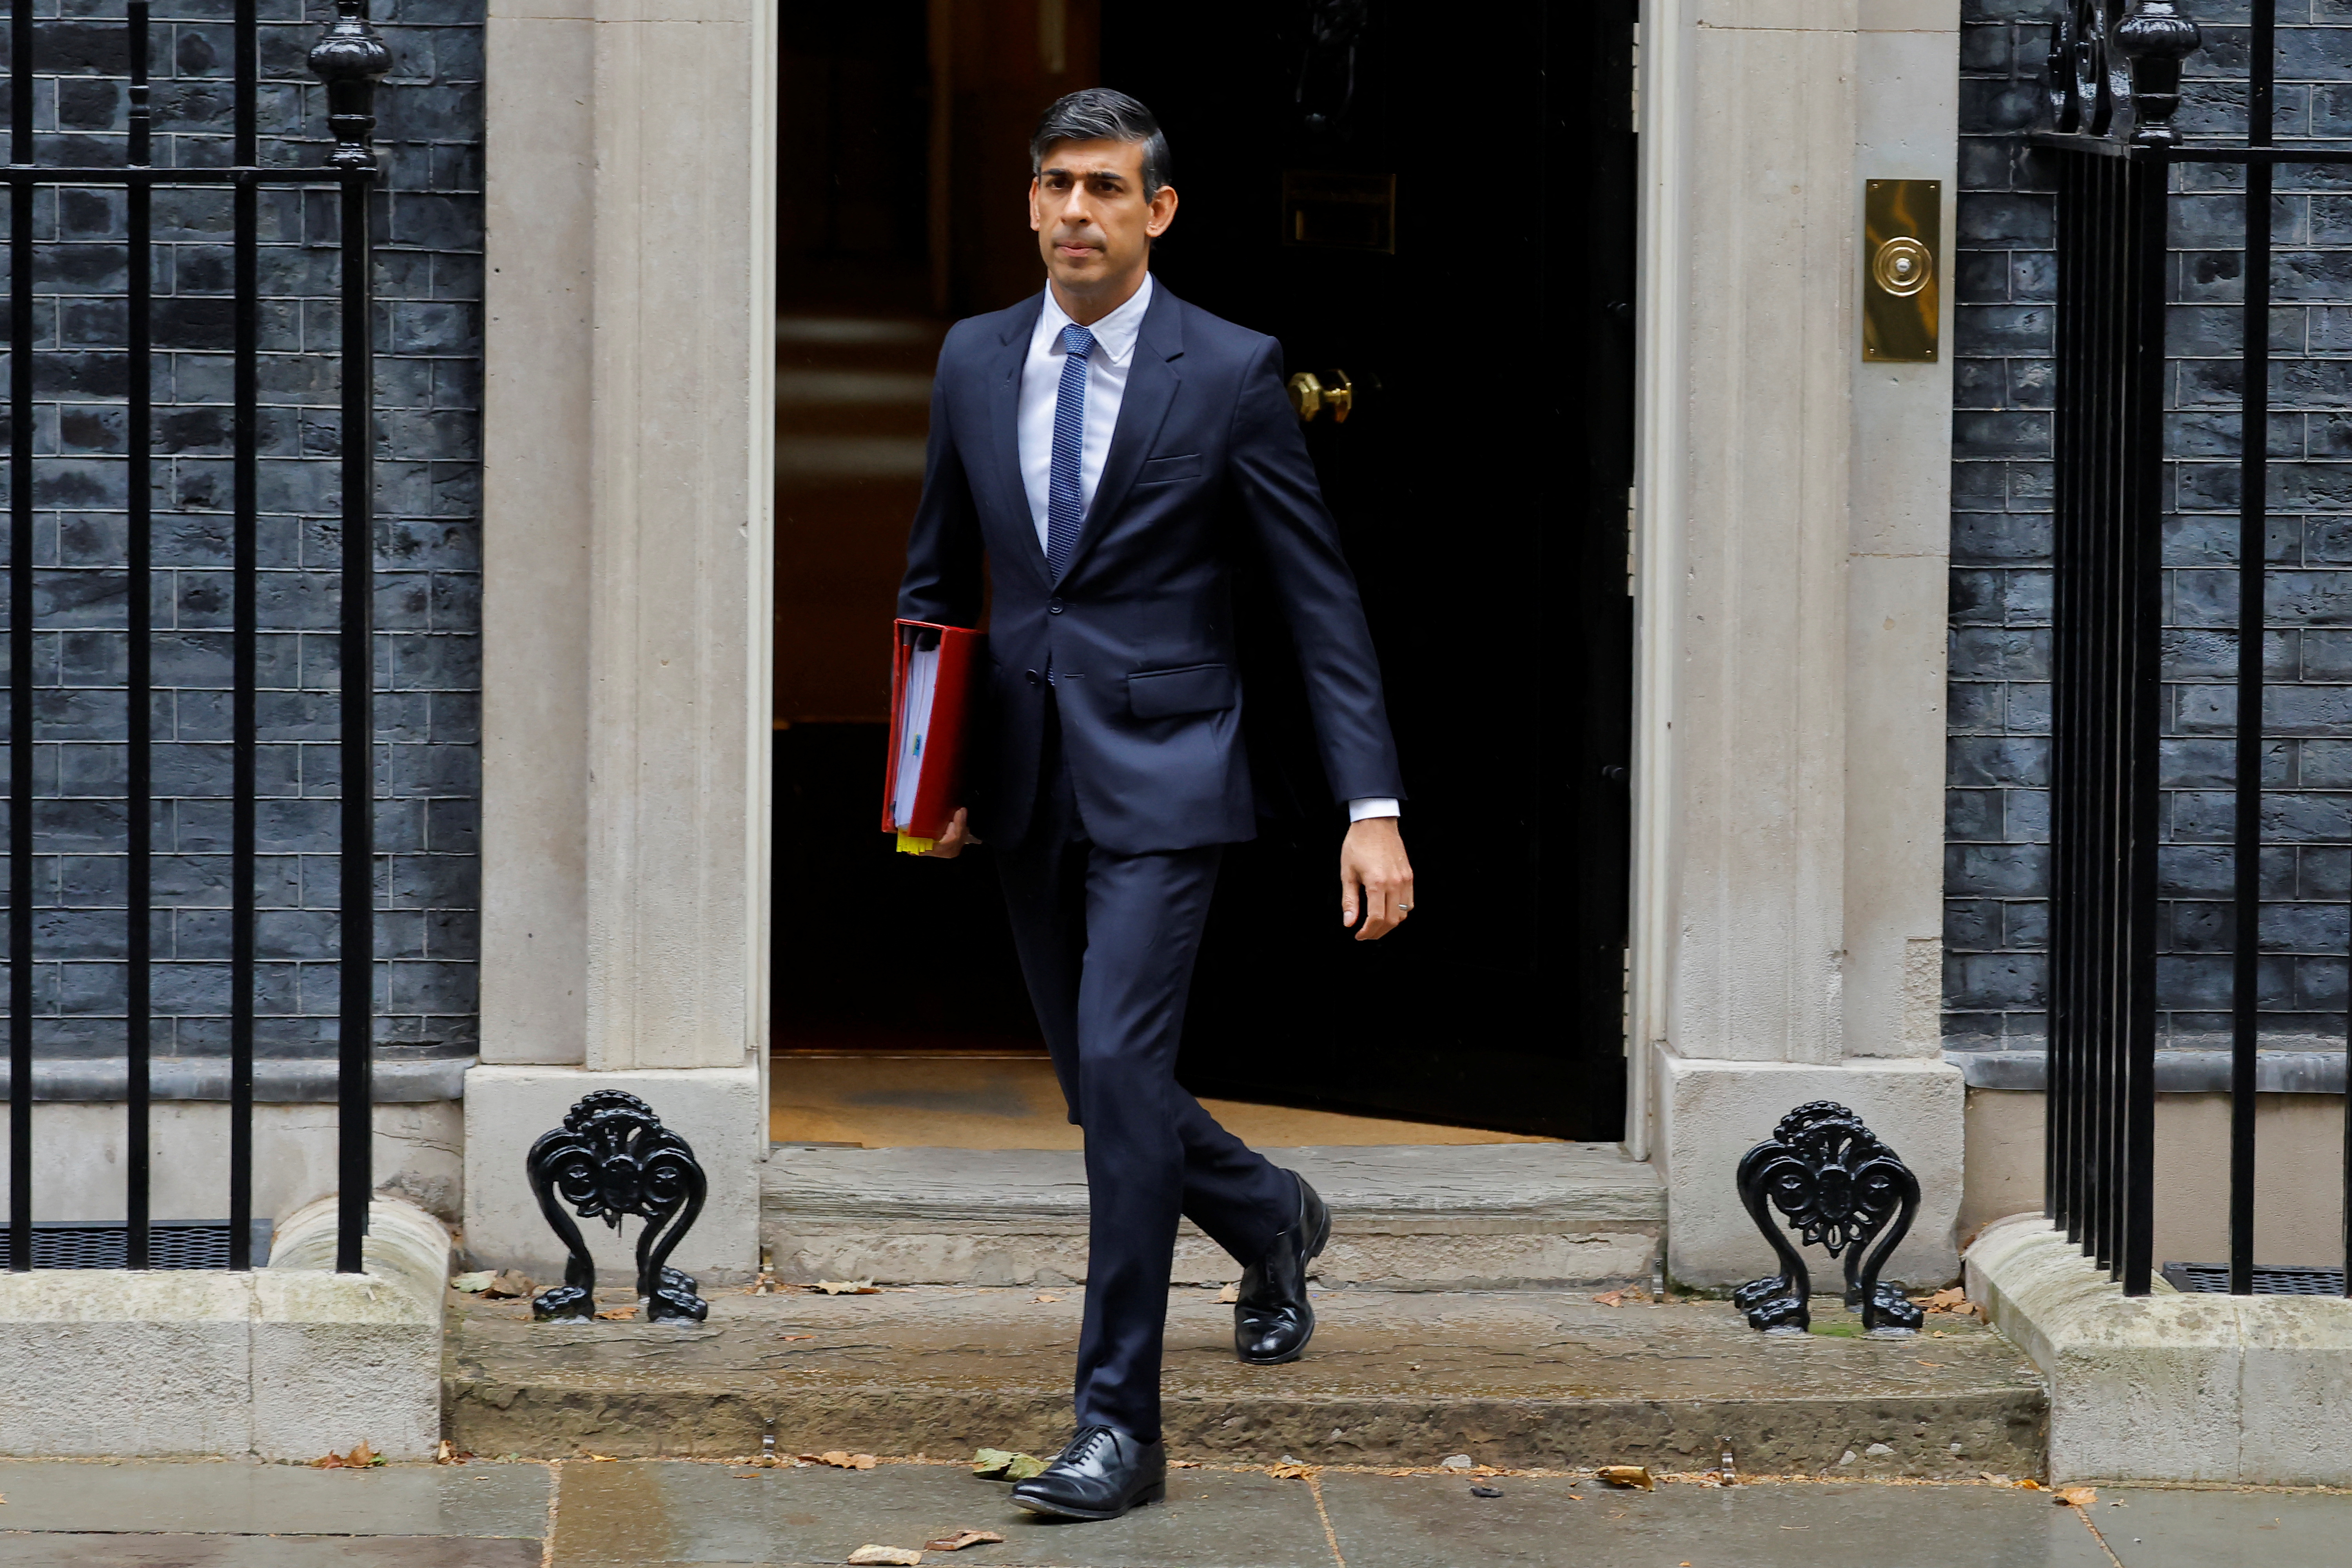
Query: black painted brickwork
<point x="428" y="603"/>
<point x="1997" y="861"/>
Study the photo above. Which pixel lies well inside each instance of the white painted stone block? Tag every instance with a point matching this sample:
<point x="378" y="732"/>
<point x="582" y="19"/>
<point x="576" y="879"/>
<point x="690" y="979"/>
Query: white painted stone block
<point x="2170" y="1386"/>
<point x="1710" y="1112"/>
<point x="719" y="1110"/>
<point x="283" y="1362"/>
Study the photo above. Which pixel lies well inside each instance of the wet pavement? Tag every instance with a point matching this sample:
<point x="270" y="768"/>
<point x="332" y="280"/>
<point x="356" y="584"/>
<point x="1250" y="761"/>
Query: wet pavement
<point x="683" y="1514"/>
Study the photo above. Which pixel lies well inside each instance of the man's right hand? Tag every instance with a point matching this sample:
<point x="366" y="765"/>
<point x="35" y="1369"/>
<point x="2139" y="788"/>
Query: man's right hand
<point x="950" y="844"/>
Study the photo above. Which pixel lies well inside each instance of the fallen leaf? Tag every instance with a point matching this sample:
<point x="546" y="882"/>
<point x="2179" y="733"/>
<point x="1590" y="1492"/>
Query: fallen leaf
<point x="617" y="1314"/>
<point x="1627" y="1476"/>
<point x="2075" y="1496"/>
<point x="2029" y="1484"/>
<point x="446" y="1454"/>
<point x="605" y="1459"/>
<point x="991" y="1462"/>
<point x="1183" y="1464"/>
<point x="1048" y="1298"/>
<point x="746" y="1474"/>
<point x="1486" y="1492"/>
<point x="1611" y="1298"/>
<point x="1290" y="1472"/>
<point x="795" y="1337"/>
<point x="897" y="1555"/>
<point x="1231" y="1295"/>
<point x="478" y="1280"/>
<point x="1022" y="1467"/>
<point x="962" y="1539"/>
<point x="508" y="1284"/>
<point x="847" y="1287"/>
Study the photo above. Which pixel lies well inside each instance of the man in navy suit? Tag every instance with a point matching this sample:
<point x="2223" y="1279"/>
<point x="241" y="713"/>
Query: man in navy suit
<point x="1104" y="450"/>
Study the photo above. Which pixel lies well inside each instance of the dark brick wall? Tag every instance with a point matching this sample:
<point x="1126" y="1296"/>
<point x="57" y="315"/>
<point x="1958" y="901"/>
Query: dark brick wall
<point x="1997" y="859"/>
<point x="428" y="600"/>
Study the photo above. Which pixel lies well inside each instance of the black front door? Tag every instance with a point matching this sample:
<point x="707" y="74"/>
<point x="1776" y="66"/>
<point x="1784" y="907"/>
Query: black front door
<point x="1437" y="203"/>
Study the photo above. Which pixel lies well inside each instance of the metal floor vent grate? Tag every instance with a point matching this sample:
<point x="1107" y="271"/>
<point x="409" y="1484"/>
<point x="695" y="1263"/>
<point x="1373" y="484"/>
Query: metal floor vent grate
<point x="2213" y="1279"/>
<point x="171" y="1244"/>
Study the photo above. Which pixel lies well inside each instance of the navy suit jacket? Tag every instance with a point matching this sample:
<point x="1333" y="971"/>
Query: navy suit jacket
<point x="1137" y="639"/>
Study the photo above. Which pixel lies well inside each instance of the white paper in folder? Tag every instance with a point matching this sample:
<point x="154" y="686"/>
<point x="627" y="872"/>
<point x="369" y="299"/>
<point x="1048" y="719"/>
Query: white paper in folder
<point x="922" y="683"/>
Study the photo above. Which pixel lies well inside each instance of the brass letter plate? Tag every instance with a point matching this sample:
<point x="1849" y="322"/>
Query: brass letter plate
<point x="1340" y="211"/>
<point x="1902" y="260"/>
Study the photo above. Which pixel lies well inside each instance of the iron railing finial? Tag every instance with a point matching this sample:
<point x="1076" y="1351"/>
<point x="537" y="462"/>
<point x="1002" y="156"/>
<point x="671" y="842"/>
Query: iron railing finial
<point x="349" y="57"/>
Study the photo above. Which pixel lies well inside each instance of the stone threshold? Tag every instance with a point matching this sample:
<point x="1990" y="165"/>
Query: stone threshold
<point x="1511" y="1378"/>
<point x="1465" y="1216"/>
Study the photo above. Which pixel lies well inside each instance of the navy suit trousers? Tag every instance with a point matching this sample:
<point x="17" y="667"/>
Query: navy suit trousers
<point x="1106" y="945"/>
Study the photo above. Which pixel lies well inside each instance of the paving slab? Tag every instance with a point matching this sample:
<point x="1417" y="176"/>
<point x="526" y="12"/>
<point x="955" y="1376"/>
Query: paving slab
<point x="230" y="1497"/>
<point x="657" y="1515"/>
<point x="1429" y="1522"/>
<point x="1526" y="1379"/>
<point x="264" y="1552"/>
<point x="2148" y="1528"/>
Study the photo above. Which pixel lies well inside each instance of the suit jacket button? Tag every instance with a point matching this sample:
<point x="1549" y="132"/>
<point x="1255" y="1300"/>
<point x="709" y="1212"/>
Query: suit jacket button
<point x="1032" y="674"/>
<point x="1053" y="606"/>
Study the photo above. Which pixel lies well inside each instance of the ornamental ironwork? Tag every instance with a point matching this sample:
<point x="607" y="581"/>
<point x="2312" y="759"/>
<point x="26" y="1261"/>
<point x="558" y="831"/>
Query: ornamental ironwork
<point x="1838" y="1186"/>
<point x="611" y="1158"/>
<point x="2116" y="75"/>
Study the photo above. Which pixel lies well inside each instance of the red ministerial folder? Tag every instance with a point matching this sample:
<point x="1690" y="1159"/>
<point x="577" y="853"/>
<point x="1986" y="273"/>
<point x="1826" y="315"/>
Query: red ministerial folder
<point x="930" y="696"/>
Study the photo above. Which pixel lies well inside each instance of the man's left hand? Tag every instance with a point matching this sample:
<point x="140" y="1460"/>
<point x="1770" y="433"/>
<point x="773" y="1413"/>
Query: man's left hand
<point x="1372" y="860"/>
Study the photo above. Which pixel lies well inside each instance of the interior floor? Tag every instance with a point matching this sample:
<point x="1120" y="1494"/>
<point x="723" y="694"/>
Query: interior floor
<point x="1010" y="1101"/>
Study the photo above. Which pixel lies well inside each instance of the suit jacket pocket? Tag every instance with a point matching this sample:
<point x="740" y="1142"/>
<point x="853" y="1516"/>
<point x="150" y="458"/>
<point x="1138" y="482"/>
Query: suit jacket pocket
<point x="1166" y="470"/>
<point x="1192" y="688"/>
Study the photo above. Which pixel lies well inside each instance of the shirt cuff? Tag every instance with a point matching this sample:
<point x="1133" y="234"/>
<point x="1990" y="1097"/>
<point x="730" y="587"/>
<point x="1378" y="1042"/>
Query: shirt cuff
<point x="1372" y="805"/>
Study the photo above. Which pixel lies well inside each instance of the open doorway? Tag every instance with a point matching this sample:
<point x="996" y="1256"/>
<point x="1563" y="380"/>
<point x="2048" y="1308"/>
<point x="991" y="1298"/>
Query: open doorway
<point x="1443" y="214"/>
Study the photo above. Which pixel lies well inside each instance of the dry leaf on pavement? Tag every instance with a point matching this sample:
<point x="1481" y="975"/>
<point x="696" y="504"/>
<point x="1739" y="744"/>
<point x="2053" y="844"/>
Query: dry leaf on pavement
<point x="897" y="1555"/>
<point x="1290" y="1472"/>
<point x="962" y="1539"/>
<point x="1022" y="1467"/>
<point x="360" y="1459"/>
<point x="617" y="1314"/>
<point x="842" y="1460"/>
<point x="1611" y="1298"/>
<point x="1627" y="1476"/>
<point x="479" y="1279"/>
<point x="1230" y="1295"/>
<point x="847" y="1287"/>
<point x="2075" y="1496"/>
<point x="1048" y="1298"/>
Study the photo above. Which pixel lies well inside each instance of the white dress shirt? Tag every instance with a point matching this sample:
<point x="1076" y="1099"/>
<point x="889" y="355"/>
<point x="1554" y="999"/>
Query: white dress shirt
<point x="1106" y="368"/>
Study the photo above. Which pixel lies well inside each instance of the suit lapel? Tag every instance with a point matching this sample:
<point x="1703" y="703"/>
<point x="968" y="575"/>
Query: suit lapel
<point x="1152" y="384"/>
<point x="1004" y="424"/>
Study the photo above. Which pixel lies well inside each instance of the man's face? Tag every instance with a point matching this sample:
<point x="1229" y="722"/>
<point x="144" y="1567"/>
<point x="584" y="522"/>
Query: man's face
<point x="1093" y="225"/>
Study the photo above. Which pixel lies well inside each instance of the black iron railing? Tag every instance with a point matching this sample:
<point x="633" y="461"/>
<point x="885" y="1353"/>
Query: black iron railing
<point x="348" y="58"/>
<point x="2114" y="88"/>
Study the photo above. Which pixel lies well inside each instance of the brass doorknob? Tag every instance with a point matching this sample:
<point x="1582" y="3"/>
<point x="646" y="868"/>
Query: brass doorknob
<point x="1311" y="393"/>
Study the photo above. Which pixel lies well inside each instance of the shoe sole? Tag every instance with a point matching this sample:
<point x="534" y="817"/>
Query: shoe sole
<point x="1094" y="1516"/>
<point x="1322" y="1240"/>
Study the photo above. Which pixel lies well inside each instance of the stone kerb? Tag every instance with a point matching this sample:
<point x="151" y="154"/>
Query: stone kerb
<point x="283" y="1362"/>
<point x="2170" y="1386"/>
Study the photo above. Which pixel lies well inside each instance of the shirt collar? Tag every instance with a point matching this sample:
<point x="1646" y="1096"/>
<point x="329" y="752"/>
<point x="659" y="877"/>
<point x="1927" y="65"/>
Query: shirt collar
<point x="1115" y="334"/>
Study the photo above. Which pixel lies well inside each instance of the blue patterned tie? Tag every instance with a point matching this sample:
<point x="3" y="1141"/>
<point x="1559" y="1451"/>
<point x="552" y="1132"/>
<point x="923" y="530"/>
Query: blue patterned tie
<point x="1065" y="505"/>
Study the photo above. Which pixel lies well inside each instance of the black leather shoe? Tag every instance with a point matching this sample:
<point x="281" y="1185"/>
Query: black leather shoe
<point x="1102" y="1474"/>
<point x="1273" y="1320"/>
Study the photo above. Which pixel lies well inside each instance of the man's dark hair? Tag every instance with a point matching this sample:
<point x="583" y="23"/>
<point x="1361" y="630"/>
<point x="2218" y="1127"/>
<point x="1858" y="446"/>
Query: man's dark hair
<point x="1099" y="114"/>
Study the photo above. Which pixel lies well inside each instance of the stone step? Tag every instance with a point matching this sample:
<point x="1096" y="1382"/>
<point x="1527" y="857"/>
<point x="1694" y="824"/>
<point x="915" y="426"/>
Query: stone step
<point x="1404" y="1218"/>
<point x="1511" y="1378"/>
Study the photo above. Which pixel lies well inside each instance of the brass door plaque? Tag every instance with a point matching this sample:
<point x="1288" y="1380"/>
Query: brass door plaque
<point x="1340" y="211"/>
<point x="1901" y="267"/>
